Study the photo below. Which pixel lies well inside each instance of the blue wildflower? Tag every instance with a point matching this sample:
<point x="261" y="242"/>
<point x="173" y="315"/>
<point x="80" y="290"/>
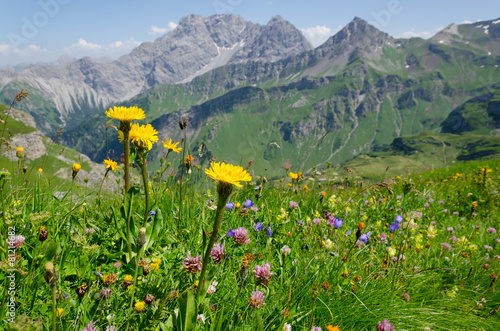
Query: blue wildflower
<point x="152" y="213"/>
<point x="258" y="227"/>
<point x="248" y="203"/>
<point x="230" y="205"/>
<point x="269" y="232"/>
<point x="348" y="233"/>
<point x="399" y="218"/>
<point x="365" y="237"/>
<point x="337" y="223"/>
<point x="393" y="227"/>
<point x="230" y="233"/>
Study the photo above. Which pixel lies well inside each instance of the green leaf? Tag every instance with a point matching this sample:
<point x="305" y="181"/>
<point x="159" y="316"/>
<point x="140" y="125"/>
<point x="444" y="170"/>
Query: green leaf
<point x="154" y="228"/>
<point x="188" y="312"/>
<point x="50" y="249"/>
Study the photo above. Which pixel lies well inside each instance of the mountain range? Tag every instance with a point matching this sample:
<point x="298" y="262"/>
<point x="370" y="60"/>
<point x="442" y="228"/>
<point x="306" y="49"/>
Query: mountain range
<point x="264" y="93"/>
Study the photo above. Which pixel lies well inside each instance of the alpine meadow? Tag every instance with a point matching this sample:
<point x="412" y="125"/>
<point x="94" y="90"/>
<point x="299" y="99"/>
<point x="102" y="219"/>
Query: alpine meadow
<point x="231" y="176"/>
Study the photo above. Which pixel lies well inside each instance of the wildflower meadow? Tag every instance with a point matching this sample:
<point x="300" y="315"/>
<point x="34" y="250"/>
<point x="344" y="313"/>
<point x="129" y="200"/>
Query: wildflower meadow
<point x="219" y="247"/>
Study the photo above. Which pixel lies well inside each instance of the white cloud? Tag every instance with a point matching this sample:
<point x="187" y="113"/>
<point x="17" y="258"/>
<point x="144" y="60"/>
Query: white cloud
<point x="421" y="34"/>
<point x="155" y="30"/>
<point x="30" y="50"/>
<point x="318" y="34"/>
<point x="114" y="49"/>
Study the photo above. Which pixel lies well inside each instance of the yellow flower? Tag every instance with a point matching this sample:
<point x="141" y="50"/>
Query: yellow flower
<point x="333" y="328"/>
<point x="76" y="167"/>
<point x="391" y="251"/>
<point x="228" y="173"/>
<point x="19" y="152"/>
<point x="157" y="261"/>
<point x="142" y="136"/>
<point x="327" y="243"/>
<point x="189" y="160"/>
<point x="40" y="170"/>
<point x="59" y="312"/>
<point x="139" y="306"/>
<point x="126" y="114"/>
<point x="238" y="205"/>
<point x="171" y="146"/>
<point x="306" y="188"/>
<point x="154" y="267"/>
<point x="128" y="278"/>
<point x="110" y="164"/>
<point x="294" y="176"/>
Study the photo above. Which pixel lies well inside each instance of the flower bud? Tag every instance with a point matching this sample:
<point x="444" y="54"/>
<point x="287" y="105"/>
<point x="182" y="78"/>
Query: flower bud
<point x="19" y="152"/>
<point x="50" y="275"/>
<point x="141" y="238"/>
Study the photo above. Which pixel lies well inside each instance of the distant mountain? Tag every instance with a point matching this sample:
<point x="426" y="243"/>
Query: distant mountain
<point x="68" y="91"/>
<point x="357" y="93"/>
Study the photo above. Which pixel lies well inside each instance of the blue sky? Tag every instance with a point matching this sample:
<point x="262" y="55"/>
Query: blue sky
<point x="43" y="30"/>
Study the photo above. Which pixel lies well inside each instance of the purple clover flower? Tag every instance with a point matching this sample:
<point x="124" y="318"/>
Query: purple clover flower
<point x="241" y="236"/>
<point x="218" y="252"/>
<point x="292" y="204"/>
<point x="385" y="325"/>
<point x="263" y="273"/>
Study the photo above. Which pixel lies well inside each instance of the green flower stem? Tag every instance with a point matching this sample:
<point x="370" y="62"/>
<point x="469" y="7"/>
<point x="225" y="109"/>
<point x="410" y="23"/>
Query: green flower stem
<point x="144" y="172"/>
<point x="221" y="203"/>
<point x="126" y="156"/>
<point x="54" y="307"/>
<point x="139" y="256"/>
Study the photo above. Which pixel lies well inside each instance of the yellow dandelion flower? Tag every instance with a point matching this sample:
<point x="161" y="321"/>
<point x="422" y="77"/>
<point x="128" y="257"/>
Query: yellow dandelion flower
<point x="228" y="173"/>
<point x="40" y="170"/>
<point x="128" y="278"/>
<point x="171" y="146"/>
<point x="110" y="164"/>
<point x="142" y="136"/>
<point x="19" y="152"/>
<point x="126" y="114"/>
<point x="294" y="176"/>
<point x="76" y="167"/>
<point x="333" y="328"/>
<point x="59" y="312"/>
<point x="139" y="306"/>
<point x="238" y="205"/>
<point x="154" y="267"/>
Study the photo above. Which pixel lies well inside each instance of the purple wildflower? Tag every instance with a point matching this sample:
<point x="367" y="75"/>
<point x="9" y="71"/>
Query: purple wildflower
<point x="453" y="239"/>
<point x="316" y="221"/>
<point x="258" y="227"/>
<point x="426" y="205"/>
<point x="16" y="241"/>
<point x="337" y="223"/>
<point x="256" y="299"/>
<point x="399" y="218"/>
<point x="441" y="202"/>
<point x="248" y="203"/>
<point x="292" y="204"/>
<point x="491" y="230"/>
<point x="152" y="213"/>
<point x="230" y="233"/>
<point x="285" y="250"/>
<point x="455" y="213"/>
<point x="192" y="264"/>
<point x="393" y="227"/>
<point x="230" y="206"/>
<point x="365" y="237"/>
<point x="269" y="232"/>
<point x="218" y="252"/>
<point x="263" y="273"/>
<point x="90" y="327"/>
<point x="241" y="236"/>
<point x="348" y="233"/>
<point x="89" y="231"/>
<point x="254" y="209"/>
<point x="446" y="246"/>
<point x="385" y="325"/>
<point x="488" y="247"/>
<point x="117" y="265"/>
<point x="451" y="230"/>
